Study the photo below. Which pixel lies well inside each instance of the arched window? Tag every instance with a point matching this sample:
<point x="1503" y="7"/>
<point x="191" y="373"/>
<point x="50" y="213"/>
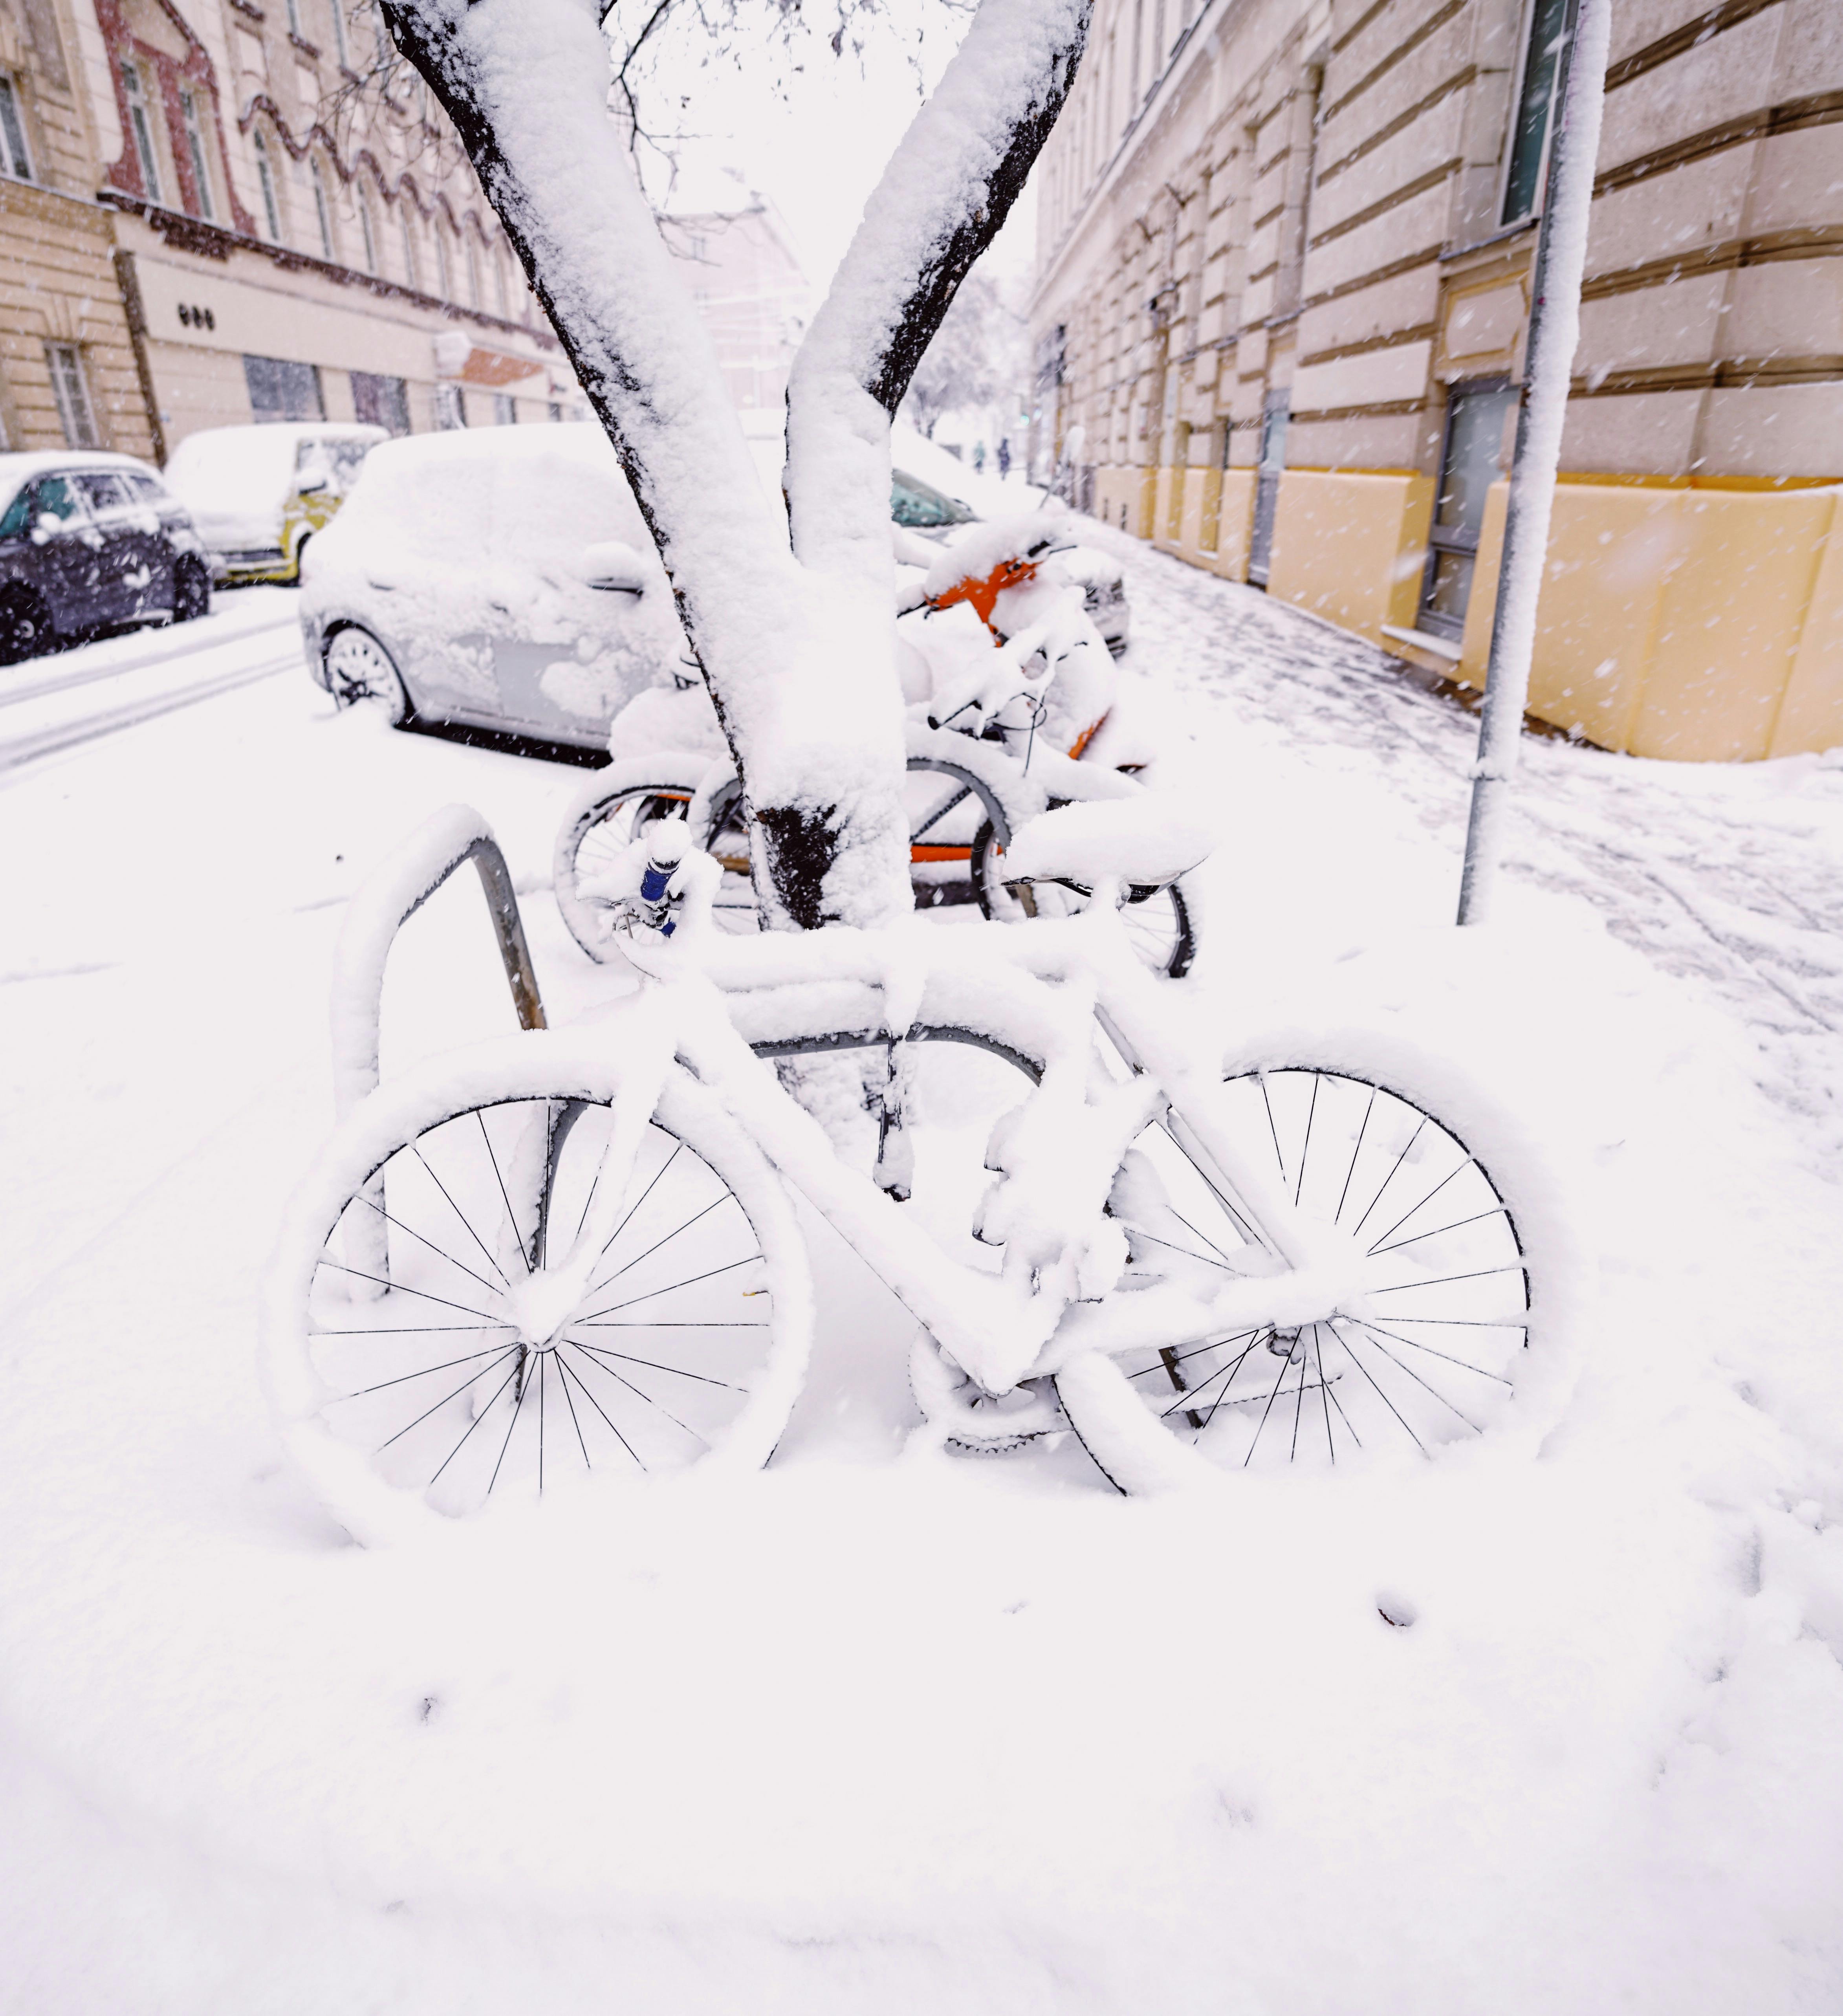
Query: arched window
<point x="195" y="151"/>
<point x="411" y="277"/>
<point x="265" y="181"/>
<point x="369" y="244"/>
<point x="141" y="125"/>
<point x="499" y="284"/>
<point x="323" y="216"/>
<point x="444" y="286"/>
<point x="473" y="268"/>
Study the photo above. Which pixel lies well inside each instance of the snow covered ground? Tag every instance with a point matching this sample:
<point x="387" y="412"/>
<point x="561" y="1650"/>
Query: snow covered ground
<point x="883" y="1730"/>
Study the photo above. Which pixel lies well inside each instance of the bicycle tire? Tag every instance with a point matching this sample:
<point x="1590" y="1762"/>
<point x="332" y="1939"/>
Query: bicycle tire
<point x="1489" y="1351"/>
<point x="471" y="1150"/>
<point x="1162" y="926"/>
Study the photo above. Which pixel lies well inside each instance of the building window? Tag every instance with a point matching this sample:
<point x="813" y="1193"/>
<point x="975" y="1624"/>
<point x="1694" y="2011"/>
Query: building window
<point x="339" y="35"/>
<point x="323" y="215"/>
<point x="451" y="407"/>
<point x="195" y="150"/>
<point x="1535" y="110"/>
<point x="142" y="127"/>
<point x="1276" y="412"/>
<point x="505" y="410"/>
<point x="442" y="279"/>
<point x="499" y="287"/>
<point x="365" y="235"/>
<point x="472" y="269"/>
<point x="280" y="390"/>
<point x="1468" y="466"/>
<point x="381" y="401"/>
<point x="14" y="160"/>
<point x="265" y="180"/>
<point x="409" y="244"/>
<point x="71" y="390"/>
<point x="294" y="20"/>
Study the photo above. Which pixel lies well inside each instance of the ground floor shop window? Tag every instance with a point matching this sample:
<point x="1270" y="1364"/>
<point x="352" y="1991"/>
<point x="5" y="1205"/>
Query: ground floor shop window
<point x="71" y="388"/>
<point x="1469" y="465"/>
<point x="282" y="391"/>
<point x="505" y="410"/>
<point x="381" y="401"/>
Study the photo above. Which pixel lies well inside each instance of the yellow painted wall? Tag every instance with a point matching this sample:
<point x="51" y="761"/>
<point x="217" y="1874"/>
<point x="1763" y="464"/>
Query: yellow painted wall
<point x="1679" y="622"/>
<point x="1209" y="517"/>
<point x="1189" y="515"/>
<point x="1235" y="524"/>
<point x="1351" y="546"/>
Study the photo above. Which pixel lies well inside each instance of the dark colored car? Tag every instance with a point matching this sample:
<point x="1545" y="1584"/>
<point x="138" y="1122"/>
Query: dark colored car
<point x="90" y="542"/>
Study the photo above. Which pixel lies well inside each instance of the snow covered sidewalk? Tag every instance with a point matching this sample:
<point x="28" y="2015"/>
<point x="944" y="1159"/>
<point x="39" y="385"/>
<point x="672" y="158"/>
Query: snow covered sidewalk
<point x="888" y="1731"/>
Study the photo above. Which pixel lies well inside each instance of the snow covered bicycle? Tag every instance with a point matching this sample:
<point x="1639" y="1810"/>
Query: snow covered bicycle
<point x="1013" y="709"/>
<point x="561" y="1260"/>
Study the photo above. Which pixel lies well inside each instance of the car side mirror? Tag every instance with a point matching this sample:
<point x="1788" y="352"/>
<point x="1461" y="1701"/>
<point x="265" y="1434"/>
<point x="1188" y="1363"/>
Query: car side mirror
<point x="613" y="567"/>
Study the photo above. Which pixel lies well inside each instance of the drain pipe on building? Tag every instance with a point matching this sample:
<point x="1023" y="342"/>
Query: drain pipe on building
<point x="1554" y="329"/>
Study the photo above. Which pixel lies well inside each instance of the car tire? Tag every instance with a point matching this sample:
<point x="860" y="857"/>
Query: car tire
<point x="25" y="625"/>
<point x="358" y="668"/>
<point x="192" y="591"/>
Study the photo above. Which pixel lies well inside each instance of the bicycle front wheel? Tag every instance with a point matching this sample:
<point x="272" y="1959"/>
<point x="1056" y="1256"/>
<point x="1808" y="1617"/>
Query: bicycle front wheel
<point x="1431" y="1352"/>
<point x="423" y="1376"/>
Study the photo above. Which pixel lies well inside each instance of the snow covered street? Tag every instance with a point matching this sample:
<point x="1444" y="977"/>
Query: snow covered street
<point x="881" y="1730"/>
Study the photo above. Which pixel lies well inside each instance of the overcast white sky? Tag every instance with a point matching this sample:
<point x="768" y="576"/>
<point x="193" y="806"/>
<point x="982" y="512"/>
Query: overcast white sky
<point x="815" y="140"/>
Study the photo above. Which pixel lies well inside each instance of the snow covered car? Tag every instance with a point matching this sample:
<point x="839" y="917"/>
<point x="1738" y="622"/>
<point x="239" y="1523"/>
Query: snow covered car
<point x="501" y="579"/>
<point x="89" y="541"/>
<point x="258" y="494"/>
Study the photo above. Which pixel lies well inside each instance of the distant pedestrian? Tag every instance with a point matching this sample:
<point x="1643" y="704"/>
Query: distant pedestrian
<point x="1005" y="457"/>
<point x="979" y="458"/>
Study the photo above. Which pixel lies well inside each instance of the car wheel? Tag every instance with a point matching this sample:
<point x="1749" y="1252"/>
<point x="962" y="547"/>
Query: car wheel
<point x="192" y="591"/>
<point x="25" y="625"/>
<point x="358" y="668"/>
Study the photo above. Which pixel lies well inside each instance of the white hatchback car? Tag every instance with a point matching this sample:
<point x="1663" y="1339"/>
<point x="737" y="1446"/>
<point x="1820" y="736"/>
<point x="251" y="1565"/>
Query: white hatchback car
<point x="502" y="579"/>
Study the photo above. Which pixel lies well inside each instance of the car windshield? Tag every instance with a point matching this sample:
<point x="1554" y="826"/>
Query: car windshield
<point x="232" y="469"/>
<point x="920" y="505"/>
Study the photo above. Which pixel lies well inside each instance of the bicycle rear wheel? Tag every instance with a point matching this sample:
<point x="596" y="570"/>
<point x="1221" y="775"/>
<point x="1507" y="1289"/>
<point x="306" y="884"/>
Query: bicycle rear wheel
<point x="1432" y="1352"/>
<point x="1160" y="926"/>
<point x="438" y="1385"/>
<point x="603" y="829"/>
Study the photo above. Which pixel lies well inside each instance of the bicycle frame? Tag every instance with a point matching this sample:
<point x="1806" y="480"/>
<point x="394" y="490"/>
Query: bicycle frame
<point x="717" y="1006"/>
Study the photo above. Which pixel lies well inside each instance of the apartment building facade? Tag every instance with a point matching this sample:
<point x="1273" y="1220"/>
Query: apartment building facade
<point x="1281" y="304"/>
<point x="68" y="375"/>
<point x="256" y="214"/>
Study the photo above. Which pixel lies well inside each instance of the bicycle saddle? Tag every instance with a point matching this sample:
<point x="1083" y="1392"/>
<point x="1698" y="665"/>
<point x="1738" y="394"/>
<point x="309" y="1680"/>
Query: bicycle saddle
<point x="1138" y="839"/>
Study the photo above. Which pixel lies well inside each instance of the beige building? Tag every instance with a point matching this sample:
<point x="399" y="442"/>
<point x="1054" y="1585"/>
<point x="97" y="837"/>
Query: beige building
<point x="293" y="244"/>
<point x="747" y="283"/>
<point x="67" y="363"/>
<point x="1283" y="291"/>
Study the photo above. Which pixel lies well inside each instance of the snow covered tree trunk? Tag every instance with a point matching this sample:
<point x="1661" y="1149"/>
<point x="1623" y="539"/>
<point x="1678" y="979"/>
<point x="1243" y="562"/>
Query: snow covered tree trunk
<point x="797" y="652"/>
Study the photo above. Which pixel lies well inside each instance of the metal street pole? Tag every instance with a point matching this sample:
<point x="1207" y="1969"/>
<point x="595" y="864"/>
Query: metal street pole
<point x="1554" y="329"/>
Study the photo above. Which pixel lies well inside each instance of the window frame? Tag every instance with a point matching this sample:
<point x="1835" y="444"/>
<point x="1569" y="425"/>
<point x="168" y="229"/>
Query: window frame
<point x="193" y="129"/>
<point x="13" y="137"/>
<point x="1526" y="49"/>
<point x="267" y="187"/>
<point x="73" y="421"/>
<point x="1433" y="622"/>
<point x="134" y="87"/>
<point x="322" y="211"/>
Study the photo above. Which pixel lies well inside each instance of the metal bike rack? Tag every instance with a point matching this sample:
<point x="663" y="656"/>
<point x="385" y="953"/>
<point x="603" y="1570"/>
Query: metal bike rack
<point x="389" y="897"/>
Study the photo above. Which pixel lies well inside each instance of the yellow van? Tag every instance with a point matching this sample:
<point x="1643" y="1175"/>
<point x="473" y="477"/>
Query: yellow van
<point x="258" y="494"/>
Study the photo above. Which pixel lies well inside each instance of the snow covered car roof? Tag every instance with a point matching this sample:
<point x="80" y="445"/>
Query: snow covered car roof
<point x="252" y="468"/>
<point x="18" y="468"/>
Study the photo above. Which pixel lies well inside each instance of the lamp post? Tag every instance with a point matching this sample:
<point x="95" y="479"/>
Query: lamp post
<point x="1554" y="329"/>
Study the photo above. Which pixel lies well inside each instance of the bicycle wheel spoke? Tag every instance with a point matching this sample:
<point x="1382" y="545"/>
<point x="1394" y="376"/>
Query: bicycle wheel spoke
<point x="1477" y="1274"/>
<point x="415" y="1149"/>
<point x="475" y="1423"/>
<point x="1375" y="1338"/>
<point x="1264" y="1412"/>
<point x="1266" y="1100"/>
<point x="1202" y="1258"/>
<point x="389" y="1219"/>
<point x="1389" y="1178"/>
<point x="518" y="1237"/>
<point x="401" y="1288"/>
<point x="1324" y="1393"/>
<point x="1350" y="1353"/>
<point x="1178" y="1358"/>
<point x="940" y="812"/>
<point x="1305" y="1146"/>
<point x="518" y="1407"/>
<point x="639" y="1392"/>
<point x="654" y="1247"/>
<point x="1459" y="1225"/>
<point x="651" y="1293"/>
<point x="443" y="1401"/>
<point x="1425" y="1201"/>
<point x="600" y="1352"/>
<point x="1349" y="1174"/>
<point x="574" y="1422"/>
<point x="638" y="1201"/>
<point x="413" y="1330"/>
<point x="564" y="1370"/>
<point x="446" y="1365"/>
<point x="1463" y="1364"/>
